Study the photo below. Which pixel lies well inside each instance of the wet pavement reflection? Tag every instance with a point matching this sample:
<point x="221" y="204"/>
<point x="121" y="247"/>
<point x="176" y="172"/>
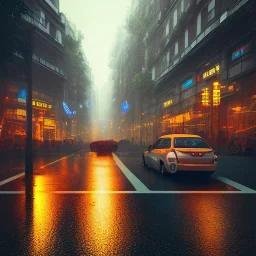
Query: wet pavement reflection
<point x="84" y="205"/>
<point x="127" y="224"/>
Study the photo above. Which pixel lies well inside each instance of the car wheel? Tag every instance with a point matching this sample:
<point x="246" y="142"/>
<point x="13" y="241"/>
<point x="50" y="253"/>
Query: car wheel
<point x="144" y="162"/>
<point x="162" y="169"/>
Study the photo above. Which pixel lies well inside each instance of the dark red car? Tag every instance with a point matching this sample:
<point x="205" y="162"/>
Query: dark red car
<point x="104" y="146"/>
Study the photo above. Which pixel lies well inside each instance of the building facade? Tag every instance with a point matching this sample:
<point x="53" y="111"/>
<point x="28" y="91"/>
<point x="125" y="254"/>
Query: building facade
<point x="202" y="58"/>
<point x="48" y="77"/>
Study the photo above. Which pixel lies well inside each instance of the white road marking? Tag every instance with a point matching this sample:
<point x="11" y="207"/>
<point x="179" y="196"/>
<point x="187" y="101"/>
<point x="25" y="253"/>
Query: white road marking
<point x="234" y="184"/>
<point x="23" y="173"/>
<point x="137" y="184"/>
<point x="12" y="192"/>
<point x="131" y="192"/>
<point x="12" y="178"/>
<point x="42" y="167"/>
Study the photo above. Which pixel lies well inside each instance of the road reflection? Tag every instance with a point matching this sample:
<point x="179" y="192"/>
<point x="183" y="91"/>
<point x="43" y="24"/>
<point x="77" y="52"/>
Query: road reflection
<point x="41" y="215"/>
<point x="102" y="173"/>
<point x="207" y="224"/>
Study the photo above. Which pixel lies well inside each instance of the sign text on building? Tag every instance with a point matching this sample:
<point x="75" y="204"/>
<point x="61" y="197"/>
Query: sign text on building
<point x="40" y="104"/>
<point x="212" y="72"/>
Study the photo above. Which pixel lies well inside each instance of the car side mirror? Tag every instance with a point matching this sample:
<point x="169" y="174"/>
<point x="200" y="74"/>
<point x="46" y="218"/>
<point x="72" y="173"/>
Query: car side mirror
<point x="150" y="147"/>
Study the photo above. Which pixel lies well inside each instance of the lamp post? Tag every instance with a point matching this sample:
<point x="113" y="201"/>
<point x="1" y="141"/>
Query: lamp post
<point x="29" y="139"/>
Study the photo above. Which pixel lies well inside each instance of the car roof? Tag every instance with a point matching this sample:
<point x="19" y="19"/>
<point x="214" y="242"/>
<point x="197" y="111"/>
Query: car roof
<point x="180" y="135"/>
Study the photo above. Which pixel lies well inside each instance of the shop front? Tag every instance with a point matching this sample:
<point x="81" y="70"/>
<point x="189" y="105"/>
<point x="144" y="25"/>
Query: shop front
<point x="238" y="98"/>
<point x="14" y="125"/>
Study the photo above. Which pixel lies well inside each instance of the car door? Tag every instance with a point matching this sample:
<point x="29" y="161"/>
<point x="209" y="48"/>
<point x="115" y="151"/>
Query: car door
<point x="151" y="154"/>
<point x="160" y="152"/>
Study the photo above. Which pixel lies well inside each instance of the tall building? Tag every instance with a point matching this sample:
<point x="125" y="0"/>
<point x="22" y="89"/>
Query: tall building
<point x="201" y="56"/>
<point x="48" y="77"/>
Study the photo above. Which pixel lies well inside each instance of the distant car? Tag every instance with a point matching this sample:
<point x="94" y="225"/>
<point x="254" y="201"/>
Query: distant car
<point x="180" y="152"/>
<point x="104" y="146"/>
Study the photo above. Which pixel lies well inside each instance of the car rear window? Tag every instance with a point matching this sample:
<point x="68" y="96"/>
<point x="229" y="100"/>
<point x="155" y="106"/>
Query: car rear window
<point x="186" y="142"/>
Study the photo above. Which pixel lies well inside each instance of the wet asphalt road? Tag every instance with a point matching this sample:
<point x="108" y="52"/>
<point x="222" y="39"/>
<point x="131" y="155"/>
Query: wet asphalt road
<point x="88" y="205"/>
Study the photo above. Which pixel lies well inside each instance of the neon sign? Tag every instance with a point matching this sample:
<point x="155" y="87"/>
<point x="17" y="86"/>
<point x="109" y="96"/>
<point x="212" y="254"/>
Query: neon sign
<point x="22" y="95"/>
<point x="238" y="53"/>
<point x="67" y="110"/>
<point x="125" y="107"/>
<point x="40" y="104"/>
<point x="187" y="84"/>
<point x="212" y="72"/>
<point x="167" y="103"/>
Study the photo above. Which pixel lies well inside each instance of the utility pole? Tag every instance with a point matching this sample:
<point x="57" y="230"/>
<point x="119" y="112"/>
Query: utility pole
<point x="29" y="140"/>
<point x="140" y="124"/>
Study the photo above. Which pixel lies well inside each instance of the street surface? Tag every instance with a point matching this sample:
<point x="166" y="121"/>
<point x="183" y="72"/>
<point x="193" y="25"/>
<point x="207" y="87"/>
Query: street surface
<point x="85" y="204"/>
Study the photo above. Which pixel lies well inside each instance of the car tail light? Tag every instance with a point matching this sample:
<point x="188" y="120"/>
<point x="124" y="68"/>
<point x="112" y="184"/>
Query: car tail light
<point x="171" y="157"/>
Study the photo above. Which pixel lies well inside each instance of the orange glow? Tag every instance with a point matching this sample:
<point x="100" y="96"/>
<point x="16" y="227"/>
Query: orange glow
<point x="216" y="94"/>
<point x="167" y="103"/>
<point x="231" y="88"/>
<point x="237" y="109"/>
<point x="206" y="97"/>
<point x="209" y="221"/>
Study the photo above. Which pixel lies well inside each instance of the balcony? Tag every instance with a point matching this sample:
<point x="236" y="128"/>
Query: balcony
<point x="52" y="6"/>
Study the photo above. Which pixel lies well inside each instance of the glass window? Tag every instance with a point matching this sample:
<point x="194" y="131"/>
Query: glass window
<point x="198" y="27"/>
<point x="153" y="73"/>
<point x="42" y="18"/>
<point x="176" y="50"/>
<point x="186" y="142"/>
<point x="167" y="29"/>
<point x="157" y="143"/>
<point x="164" y="144"/>
<point x="175" y="18"/>
<point x="211" y="10"/>
<point x="186" y="38"/>
<point x="182" y="6"/>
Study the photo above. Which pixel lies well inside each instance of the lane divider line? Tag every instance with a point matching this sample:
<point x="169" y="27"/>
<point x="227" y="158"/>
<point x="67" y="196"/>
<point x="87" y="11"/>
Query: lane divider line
<point x="12" y="178"/>
<point x="23" y="173"/>
<point x="42" y="167"/>
<point x="137" y="184"/>
<point x="233" y="184"/>
<point x="130" y="192"/>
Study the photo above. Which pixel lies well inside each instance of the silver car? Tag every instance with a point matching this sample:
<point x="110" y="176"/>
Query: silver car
<point x="180" y="152"/>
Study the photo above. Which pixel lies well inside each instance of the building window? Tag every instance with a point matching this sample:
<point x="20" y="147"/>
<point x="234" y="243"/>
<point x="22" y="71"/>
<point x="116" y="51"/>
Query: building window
<point x="176" y="49"/>
<point x="42" y="18"/>
<point x="58" y="37"/>
<point x="198" y="24"/>
<point x="167" y="29"/>
<point x="182" y="6"/>
<point x="175" y="18"/>
<point x="168" y="58"/>
<point x="186" y="38"/>
<point x="211" y="10"/>
<point x="153" y="73"/>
